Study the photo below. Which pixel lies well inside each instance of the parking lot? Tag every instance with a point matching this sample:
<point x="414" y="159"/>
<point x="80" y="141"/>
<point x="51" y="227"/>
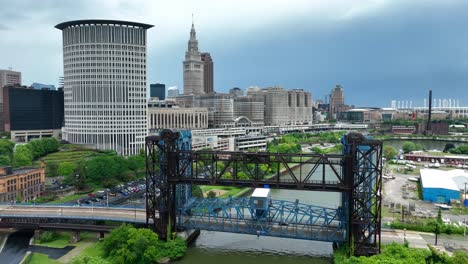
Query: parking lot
<point x="400" y="191"/>
<point x="115" y="195"/>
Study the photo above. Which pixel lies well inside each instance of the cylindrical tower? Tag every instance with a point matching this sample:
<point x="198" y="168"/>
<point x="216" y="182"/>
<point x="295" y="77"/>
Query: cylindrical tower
<point x="105" y="84"/>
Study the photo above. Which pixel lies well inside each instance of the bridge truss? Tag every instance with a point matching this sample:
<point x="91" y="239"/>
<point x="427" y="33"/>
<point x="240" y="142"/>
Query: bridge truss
<point x="172" y="168"/>
<point x="283" y="219"/>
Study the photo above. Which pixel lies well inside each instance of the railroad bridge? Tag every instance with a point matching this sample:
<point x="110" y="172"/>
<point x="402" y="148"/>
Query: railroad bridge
<point x="172" y="168"/>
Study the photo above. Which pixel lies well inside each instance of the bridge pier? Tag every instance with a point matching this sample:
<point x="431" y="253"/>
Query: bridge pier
<point x="37" y="234"/>
<point x="75" y="237"/>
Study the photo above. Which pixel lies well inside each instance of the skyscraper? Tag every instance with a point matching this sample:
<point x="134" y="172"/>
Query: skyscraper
<point x="207" y="72"/>
<point x="336" y="102"/>
<point x="105" y="84"/>
<point x="158" y="90"/>
<point x="193" y="67"/>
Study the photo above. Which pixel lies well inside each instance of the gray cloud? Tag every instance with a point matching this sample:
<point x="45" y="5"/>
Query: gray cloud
<point x="3" y="27"/>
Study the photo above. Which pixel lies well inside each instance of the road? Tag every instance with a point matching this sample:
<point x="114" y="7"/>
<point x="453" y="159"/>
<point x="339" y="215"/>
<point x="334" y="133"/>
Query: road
<point x="78" y="212"/>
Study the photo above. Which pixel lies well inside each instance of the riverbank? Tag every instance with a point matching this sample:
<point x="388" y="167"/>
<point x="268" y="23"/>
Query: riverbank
<point x="443" y="138"/>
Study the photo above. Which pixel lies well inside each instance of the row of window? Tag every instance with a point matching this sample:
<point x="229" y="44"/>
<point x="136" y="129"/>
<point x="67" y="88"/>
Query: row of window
<point x="111" y="47"/>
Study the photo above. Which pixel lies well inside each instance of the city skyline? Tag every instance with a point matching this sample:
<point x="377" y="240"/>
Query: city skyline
<point x="369" y="47"/>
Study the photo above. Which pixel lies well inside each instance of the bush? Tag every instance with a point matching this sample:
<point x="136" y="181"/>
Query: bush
<point x="47" y="236"/>
<point x="89" y="260"/>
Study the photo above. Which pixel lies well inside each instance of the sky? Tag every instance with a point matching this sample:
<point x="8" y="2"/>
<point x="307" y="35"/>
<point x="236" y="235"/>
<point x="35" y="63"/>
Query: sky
<point x="378" y="50"/>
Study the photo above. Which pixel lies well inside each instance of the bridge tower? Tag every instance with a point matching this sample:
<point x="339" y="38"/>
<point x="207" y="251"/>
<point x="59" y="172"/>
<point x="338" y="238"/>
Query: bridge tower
<point x="363" y="176"/>
<point x="161" y="196"/>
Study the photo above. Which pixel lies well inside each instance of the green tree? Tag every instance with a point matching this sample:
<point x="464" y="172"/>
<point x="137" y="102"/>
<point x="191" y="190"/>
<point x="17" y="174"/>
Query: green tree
<point x="197" y="191"/>
<point x="408" y="146"/>
<point x="127" y="244"/>
<point x="66" y="168"/>
<point x="22" y="156"/>
<point x="390" y="152"/>
<point x="211" y="194"/>
<point x="107" y="170"/>
<point x="52" y="168"/>
<point x="5" y="160"/>
<point x="448" y="147"/>
<point x="79" y="176"/>
<point x="6" y="147"/>
<point x="83" y="259"/>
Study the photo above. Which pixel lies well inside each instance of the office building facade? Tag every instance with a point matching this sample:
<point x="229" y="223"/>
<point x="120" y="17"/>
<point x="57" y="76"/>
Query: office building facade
<point x="167" y="115"/>
<point x="31" y="113"/>
<point x="105" y="84"/>
<point x="158" y="90"/>
<point x="207" y="72"/>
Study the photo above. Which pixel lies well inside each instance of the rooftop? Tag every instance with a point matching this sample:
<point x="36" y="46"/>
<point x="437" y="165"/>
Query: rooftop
<point x="261" y="192"/>
<point x="67" y="24"/>
<point x="452" y="179"/>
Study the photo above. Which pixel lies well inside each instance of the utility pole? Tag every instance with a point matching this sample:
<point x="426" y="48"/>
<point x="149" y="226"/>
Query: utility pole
<point x="107" y="199"/>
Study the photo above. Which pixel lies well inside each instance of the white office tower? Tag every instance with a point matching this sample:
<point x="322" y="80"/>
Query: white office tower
<point x="105" y="84"/>
<point x="193" y="67"/>
<point x="172" y="92"/>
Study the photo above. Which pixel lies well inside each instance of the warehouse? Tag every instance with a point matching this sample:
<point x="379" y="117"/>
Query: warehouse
<point x="438" y="186"/>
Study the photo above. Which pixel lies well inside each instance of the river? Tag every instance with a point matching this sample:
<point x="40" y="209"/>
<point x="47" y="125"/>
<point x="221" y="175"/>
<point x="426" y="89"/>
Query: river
<point x="427" y="144"/>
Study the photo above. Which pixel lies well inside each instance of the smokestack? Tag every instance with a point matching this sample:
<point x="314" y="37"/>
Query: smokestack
<point x="429" y="116"/>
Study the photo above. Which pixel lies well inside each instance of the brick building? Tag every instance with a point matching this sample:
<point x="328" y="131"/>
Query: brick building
<point x="21" y="184"/>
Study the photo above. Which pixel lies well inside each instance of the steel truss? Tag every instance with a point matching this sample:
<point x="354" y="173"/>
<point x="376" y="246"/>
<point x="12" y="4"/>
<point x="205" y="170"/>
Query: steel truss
<point x="364" y="202"/>
<point x="357" y="174"/>
<point x="283" y="219"/>
<point x="316" y="172"/>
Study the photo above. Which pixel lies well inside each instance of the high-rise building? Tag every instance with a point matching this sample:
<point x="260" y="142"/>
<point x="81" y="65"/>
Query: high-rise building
<point x="284" y="107"/>
<point x="236" y="92"/>
<point x="9" y="77"/>
<point x="32" y="113"/>
<point x="336" y="102"/>
<point x="105" y="84"/>
<point x="172" y="92"/>
<point x="158" y="90"/>
<point x="193" y="67"/>
<point x="249" y="108"/>
<point x="207" y="72"/>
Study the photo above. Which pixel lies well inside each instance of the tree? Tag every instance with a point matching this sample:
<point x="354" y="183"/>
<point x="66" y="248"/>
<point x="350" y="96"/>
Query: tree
<point x="66" y="168"/>
<point x="22" y="156"/>
<point x="390" y="152"/>
<point x="5" y="160"/>
<point x="408" y="146"/>
<point x="52" y="168"/>
<point x="79" y="176"/>
<point x="197" y="191"/>
<point x="127" y="244"/>
<point x="6" y="147"/>
<point x="448" y="147"/>
<point x="211" y="194"/>
<point x="83" y="259"/>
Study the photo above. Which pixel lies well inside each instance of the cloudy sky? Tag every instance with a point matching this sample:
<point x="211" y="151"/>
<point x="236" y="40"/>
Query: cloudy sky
<point x="378" y="50"/>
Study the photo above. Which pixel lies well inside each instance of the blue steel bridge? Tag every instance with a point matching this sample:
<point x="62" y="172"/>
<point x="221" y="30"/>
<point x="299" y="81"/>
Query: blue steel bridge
<point x="173" y="168"/>
<point x="283" y="219"/>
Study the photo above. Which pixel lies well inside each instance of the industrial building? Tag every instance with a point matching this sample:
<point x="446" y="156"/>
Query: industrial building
<point x="439" y="186"/>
